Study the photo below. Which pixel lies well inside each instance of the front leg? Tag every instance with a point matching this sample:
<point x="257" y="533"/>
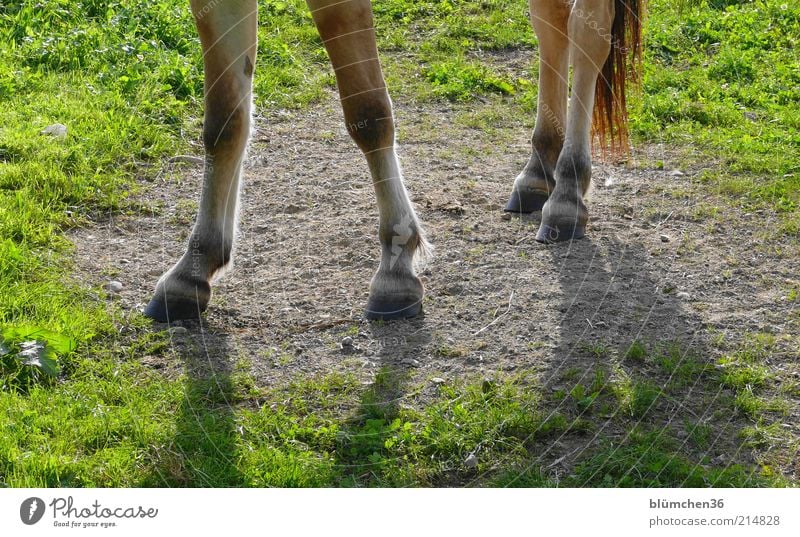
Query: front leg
<point x="347" y="30"/>
<point x="534" y="184"/>
<point x="228" y="35"/>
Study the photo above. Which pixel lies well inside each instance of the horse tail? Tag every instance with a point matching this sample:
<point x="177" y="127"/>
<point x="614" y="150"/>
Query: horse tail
<point x="610" y="122"/>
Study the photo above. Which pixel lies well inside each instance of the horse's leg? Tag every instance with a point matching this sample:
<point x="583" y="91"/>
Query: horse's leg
<point x="534" y="184"/>
<point x="228" y="35"/>
<point x="565" y="215"/>
<point x="347" y="30"/>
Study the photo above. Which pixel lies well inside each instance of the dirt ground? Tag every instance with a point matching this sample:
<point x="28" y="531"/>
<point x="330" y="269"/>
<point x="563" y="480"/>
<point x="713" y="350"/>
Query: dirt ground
<point x="660" y="264"/>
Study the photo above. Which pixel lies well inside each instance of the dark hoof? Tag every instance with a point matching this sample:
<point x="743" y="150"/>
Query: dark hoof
<point x="526" y="201"/>
<point x="551" y="234"/>
<point x="389" y="311"/>
<point x="178" y="309"/>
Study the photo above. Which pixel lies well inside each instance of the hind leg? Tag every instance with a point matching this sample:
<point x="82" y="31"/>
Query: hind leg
<point x="228" y="35"/>
<point x="347" y="30"/>
<point x="565" y="215"/>
<point x="533" y="185"/>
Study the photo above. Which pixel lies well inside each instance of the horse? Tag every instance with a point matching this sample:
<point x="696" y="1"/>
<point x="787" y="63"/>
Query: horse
<point x="600" y="39"/>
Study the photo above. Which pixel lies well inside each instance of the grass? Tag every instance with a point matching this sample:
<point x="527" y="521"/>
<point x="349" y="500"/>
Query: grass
<point x="724" y="77"/>
<point x="78" y="407"/>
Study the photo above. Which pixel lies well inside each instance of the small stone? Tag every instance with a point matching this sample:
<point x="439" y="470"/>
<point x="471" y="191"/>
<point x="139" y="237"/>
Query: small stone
<point x="347" y="341"/>
<point x="664" y="238"/>
<point x="505" y="216"/>
<point x="56" y="130"/>
<point x="124" y="261"/>
<point x="454" y="289"/>
<point x="676" y="173"/>
<point x="293" y="209"/>
<point x="178" y="331"/>
<point x="113" y="286"/>
<point x="438" y="380"/>
<point x="487" y="386"/>
<point x="410" y="362"/>
<point x="471" y="461"/>
<point x="454" y="208"/>
<point x="683" y="295"/>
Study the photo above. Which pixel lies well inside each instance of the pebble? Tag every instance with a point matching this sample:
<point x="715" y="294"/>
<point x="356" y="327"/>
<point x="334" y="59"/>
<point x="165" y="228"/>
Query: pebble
<point x="292" y="209"/>
<point x="683" y="295"/>
<point x="471" y="461"/>
<point x="410" y="362"/>
<point x="56" y="130"/>
<point x="664" y="238"/>
<point x="347" y="341"/>
<point x="113" y="286"/>
<point x="676" y="173"/>
<point x="178" y="331"/>
<point x="438" y="380"/>
<point x="487" y="386"/>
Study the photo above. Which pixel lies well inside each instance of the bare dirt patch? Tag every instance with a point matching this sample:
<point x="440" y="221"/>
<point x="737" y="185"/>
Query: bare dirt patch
<point x="656" y="267"/>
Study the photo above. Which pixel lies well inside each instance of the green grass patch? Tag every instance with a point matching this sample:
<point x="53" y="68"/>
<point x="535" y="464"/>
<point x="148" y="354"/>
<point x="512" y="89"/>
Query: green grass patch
<point x="651" y="460"/>
<point x="725" y="78"/>
<point x="462" y="82"/>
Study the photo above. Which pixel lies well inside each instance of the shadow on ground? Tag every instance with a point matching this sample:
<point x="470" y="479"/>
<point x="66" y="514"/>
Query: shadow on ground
<point x="626" y="395"/>
<point x="203" y="449"/>
<point x="401" y="346"/>
<point x="634" y="377"/>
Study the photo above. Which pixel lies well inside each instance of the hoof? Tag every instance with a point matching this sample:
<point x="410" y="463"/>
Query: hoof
<point x="176" y="309"/>
<point x="177" y="299"/>
<point x="551" y="234"/>
<point x="526" y="201"/>
<point x="385" y="310"/>
<point x="394" y="296"/>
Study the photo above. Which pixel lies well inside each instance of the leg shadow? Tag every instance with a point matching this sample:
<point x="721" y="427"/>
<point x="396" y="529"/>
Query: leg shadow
<point x="362" y="454"/>
<point x="203" y="449"/>
<point x="635" y="377"/>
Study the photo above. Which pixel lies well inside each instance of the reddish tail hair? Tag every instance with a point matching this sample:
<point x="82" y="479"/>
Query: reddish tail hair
<point x="610" y="122"/>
